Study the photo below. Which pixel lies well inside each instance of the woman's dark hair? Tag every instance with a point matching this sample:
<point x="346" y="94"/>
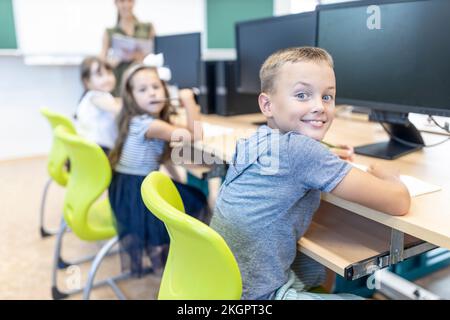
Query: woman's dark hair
<point x="118" y="17"/>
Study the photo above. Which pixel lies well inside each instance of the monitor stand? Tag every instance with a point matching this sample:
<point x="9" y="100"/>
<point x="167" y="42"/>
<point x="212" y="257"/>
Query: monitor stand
<point x="409" y="138"/>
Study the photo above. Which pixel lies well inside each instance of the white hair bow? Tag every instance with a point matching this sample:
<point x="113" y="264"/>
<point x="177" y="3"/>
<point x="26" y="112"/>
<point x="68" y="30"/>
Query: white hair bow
<point x="157" y="61"/>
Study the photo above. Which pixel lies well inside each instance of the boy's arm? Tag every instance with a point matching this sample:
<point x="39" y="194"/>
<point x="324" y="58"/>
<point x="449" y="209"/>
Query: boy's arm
<point x="379" y="189"/>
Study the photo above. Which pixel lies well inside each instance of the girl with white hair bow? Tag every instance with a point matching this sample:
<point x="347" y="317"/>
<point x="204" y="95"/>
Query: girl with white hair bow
<point x="145" y="132"/>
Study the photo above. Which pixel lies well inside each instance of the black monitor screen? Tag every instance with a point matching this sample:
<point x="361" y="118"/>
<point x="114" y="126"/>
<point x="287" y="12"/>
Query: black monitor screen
<point x="402" y="66"/>
<point x="182" y="55"/>
<point x="258" y="39"/>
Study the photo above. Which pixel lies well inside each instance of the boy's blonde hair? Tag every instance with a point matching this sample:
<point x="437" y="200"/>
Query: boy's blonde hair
<point x="273" y="64"/>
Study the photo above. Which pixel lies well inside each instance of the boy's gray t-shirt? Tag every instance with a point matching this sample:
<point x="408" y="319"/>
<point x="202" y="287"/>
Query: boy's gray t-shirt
<point x="267" y="201"/>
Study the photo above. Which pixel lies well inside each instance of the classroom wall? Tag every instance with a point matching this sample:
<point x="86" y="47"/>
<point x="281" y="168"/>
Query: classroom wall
<point x="222" y="15"/>
<point x="26" y="88"/>
<point x="52" y="81"/>
<point x="53" y="27"/>
<point x="7" y="29"/>
<point x="23" y="90"/>
<point x="282" y="7"/>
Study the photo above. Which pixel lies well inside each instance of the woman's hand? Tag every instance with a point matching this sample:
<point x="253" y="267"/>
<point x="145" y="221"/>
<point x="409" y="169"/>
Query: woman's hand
<point x="112" y="59"/>
<point x="343" y="151"/>
<point x="138" y="56"/>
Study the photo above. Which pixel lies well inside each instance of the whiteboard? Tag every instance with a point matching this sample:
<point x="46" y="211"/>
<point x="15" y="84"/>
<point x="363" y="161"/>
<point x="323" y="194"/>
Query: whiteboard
<point x="76" y="27"/>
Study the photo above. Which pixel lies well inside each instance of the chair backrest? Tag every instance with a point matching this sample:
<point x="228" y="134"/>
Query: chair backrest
<point x="200" y="265"/>
<point x="57" y="157"/>
<point x="90" y="175"/>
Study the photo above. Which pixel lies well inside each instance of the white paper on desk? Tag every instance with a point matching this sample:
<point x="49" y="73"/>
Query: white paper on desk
<point x="212" y="130"/>
<point x="124" y="46"/>
<point x="416" y="187"/>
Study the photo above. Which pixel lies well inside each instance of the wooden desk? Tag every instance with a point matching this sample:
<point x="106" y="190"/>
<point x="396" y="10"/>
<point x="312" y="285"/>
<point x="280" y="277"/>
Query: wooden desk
<point x="428" y="219"/>
<point x="351" y="245"/>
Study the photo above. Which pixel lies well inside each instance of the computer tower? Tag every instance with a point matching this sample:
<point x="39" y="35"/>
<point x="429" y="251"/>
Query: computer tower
<point x="207" y="87"/>
<point x="228" y="101"/>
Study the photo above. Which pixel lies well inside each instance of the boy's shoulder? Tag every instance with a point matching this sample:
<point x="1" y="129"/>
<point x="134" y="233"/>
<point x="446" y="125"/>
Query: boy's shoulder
<point x="267" y="140"/>
<point x="271" y="148"/>
<point x="300" y="147"/>
<point x="297" y="140"/>
<point x="294" y="148"/>
<point x="292" y="138"/>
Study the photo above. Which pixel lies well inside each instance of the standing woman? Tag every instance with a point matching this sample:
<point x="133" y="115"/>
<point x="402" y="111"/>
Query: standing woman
<point x="127" y="25"/>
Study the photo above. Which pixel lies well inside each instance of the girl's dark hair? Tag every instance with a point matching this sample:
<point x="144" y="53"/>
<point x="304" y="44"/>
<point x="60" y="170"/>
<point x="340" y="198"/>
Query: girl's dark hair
<point x="86" y="66"/>
<point x="130" y="109"/>
<point x="85" y="72"/>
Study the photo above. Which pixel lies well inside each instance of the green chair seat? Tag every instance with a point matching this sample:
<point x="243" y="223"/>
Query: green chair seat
<point x="86" y="212"/>
<point x="101" y="219"/>
<point x="57" y="158"/>
<point x="200" y="264"/>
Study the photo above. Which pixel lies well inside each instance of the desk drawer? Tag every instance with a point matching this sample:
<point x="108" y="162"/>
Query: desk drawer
<point x="351" y="245"/>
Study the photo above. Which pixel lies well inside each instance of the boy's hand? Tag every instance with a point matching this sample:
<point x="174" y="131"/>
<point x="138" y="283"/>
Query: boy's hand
<point x="384" y="173"/>
<point x="343" y="151"/>
<point x="187" y="97"/>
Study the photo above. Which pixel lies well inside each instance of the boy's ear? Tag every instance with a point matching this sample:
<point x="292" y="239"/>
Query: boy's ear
<point x="265" y="104"/>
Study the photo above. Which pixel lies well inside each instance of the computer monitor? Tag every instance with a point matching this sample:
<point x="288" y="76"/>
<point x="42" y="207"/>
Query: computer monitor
<point x="258" y="39"/>
<point x="401" y="67"/>
<point x="182" y="54"/>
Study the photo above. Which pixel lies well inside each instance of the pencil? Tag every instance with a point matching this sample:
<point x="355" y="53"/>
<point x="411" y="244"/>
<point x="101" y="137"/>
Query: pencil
<point x="164" y="100"/>
<point x="329" y="145"/>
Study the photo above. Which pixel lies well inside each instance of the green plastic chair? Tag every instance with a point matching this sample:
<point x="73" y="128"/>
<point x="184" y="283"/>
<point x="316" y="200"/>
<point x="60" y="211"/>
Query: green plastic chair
<point x="86" y="211"/>
<point x="200" y="265"/>
<point x="56" y="165"/>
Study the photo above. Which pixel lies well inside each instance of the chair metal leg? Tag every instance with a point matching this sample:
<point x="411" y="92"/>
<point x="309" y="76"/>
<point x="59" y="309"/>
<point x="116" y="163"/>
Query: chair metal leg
<point x="115" y="288"/>
<point x="65" y="264"/>
<point x="109" y="281"/>
<point x="395" y="287"/>
<point x="95" y="265"/>
<point x="45" y="233"/>
<point x="62" y="263"/>
<point x="56" y="293"/>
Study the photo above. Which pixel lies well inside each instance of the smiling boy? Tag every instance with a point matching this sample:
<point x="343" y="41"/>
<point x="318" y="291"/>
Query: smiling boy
<point x="263" y="209"/>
